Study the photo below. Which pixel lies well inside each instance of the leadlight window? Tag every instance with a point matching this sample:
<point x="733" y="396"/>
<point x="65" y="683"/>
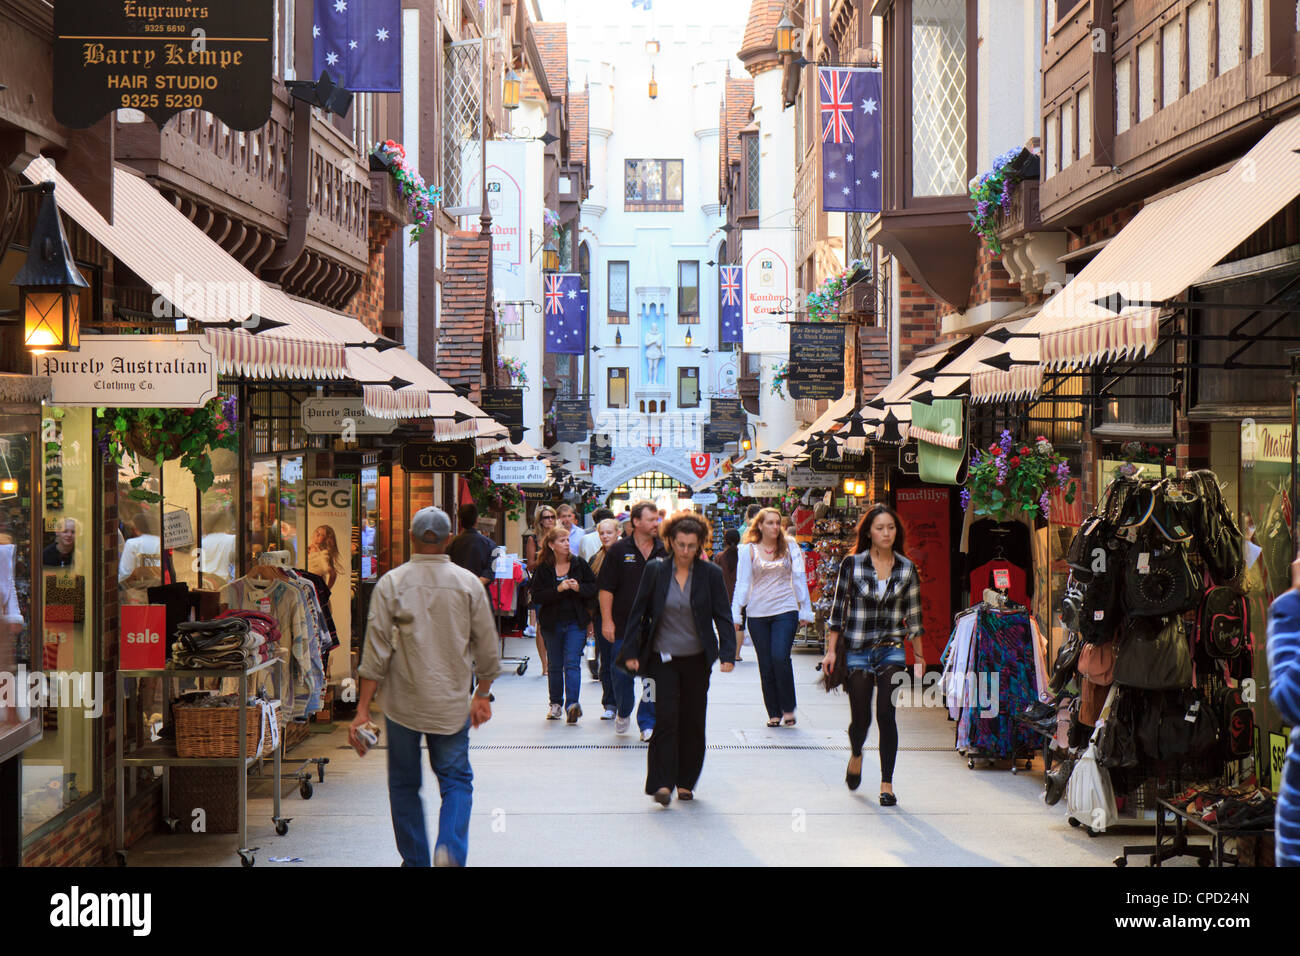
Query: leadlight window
<point x="939" y="97"/>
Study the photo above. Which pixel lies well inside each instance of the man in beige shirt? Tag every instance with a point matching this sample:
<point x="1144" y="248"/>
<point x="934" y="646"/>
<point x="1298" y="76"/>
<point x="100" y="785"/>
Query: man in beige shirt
<point x="430" y="632"/>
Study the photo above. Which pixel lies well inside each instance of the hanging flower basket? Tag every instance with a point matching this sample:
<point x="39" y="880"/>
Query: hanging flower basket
<point x="421" y="199"/>
<point x="164" y="434"/>
<point x="824" y="303"/>
<point x="780" y="375"/>
<point x="1009" y="479"/>
<point x="991" y="191"/>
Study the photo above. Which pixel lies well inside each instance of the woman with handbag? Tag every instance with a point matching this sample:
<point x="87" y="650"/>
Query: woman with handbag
<point x="771" y="598"/>
<point x="877" y="606"/>
<point x="563" y="587"/>
<point x="543" y="521"/>
<point x="677" y="627"/>
<point x="607" y="529"/>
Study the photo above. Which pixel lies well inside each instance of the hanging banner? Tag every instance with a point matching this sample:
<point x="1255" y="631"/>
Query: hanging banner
<point x="162" y="58"/>
<point x="731" y="302"/>
<point x="329" y="554"/>
<point x="570" y="419"/>
<point x="941" y="440"/>
<point x="506" y="179"/>
<point x="816" y="361"/>
<point x="700" y="464"/>
<point x="849" y="99"/>
<point x="531" y="472"/>
<point x="505" y="405"/>
<point x="132" y="371"/>
<point x="769" y="290"/>
<point x="924" y="513"/>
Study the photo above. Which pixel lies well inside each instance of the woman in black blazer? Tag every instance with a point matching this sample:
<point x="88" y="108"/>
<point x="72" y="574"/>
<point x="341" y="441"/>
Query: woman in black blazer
<point x="680" y="623"/>
<point x="563" y="587"/>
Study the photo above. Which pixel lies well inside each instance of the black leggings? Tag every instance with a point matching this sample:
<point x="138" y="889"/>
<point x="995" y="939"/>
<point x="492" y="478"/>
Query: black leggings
<point x="862" y="684"/>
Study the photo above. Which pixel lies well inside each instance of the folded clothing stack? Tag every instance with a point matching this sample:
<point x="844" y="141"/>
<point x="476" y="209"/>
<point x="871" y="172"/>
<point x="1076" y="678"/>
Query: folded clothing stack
<point x="225" y="642"/>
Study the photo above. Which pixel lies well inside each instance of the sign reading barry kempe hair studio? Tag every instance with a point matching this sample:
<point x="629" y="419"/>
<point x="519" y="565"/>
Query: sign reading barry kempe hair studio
<point x="163" y="57"/>
<point x="816" y="361"/>
<point x="132" y="371"/>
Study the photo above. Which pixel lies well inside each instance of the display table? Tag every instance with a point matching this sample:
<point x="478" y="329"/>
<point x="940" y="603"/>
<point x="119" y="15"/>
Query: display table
<point x="1212" y="854"/>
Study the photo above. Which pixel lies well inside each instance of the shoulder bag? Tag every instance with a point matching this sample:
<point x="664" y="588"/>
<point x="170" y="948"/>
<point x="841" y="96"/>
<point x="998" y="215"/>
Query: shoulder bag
<point x="1152" y="655"/>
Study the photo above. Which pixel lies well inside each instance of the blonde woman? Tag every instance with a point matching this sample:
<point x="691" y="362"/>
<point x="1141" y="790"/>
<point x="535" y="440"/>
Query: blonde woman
<point x="564" y="588"/>
<point x="772" y="593"/>
<point x="607" y="529"/>
<point x="543" y="521"/>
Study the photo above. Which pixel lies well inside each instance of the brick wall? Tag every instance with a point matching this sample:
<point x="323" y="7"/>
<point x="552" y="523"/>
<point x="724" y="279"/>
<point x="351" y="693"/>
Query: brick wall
<point x="367" y="305"/>
<point x="919" y="318"/>
<point x="873" y="353"/>
<point x="992" y="282"/>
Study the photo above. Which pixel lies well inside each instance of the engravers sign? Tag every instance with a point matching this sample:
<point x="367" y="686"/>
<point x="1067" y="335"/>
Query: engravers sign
<point x="132" y="371"/>
<point x="161" y="58"/>
<point x="601" y="450"/>
<point x="570" y="419"/>
<point x="816" y="361"/>
<point x="727" y="417"/>
<point x="335" y="416"/>
<point x="453" y="456"/>
<point x="531" y="472"/>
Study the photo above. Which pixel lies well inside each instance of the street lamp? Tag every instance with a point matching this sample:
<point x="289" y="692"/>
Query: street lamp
<point x="49" y="284"/>
<point x="550" y="257"/>
<point x="849" y="485"/>
<point x="785" y="36"/>
<point x="688" y="338"/>
<point x="510" y="93"/>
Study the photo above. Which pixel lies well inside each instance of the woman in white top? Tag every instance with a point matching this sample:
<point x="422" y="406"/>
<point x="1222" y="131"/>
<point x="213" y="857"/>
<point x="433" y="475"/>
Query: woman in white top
<point x="772" y="591"/>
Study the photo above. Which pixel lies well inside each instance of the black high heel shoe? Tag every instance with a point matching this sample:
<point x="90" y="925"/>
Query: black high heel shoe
<point x="853" y="779"/>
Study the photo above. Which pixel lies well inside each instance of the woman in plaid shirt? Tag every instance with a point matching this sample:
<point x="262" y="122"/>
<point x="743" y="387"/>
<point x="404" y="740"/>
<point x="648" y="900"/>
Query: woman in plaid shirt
<point x="877" y="606"/>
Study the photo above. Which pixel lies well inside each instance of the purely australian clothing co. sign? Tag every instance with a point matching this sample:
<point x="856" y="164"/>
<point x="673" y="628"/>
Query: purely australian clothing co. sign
<point x="161" y="58"/>
<point x="132" y="371"/>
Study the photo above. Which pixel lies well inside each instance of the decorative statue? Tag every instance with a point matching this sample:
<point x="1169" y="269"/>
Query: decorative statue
<point x="654" y="354"/>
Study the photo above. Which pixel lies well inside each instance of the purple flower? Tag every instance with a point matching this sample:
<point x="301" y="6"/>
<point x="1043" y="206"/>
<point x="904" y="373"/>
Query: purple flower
<point x="1006" y="442"/>
<point x="1043" y="503"/>
<point x="230" y="410"/>
<point x="965" y="499"/>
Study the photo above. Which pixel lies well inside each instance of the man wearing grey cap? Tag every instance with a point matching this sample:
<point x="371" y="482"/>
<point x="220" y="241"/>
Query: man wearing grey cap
<point x="430" y="631"/>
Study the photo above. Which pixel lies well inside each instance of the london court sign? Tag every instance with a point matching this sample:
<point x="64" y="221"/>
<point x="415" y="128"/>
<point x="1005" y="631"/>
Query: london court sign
<point x="163" y="57"/>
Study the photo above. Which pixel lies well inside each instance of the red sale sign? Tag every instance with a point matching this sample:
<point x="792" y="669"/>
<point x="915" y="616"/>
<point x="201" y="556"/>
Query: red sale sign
<point x="700" y="464"/>
<point x="142" y="637"/>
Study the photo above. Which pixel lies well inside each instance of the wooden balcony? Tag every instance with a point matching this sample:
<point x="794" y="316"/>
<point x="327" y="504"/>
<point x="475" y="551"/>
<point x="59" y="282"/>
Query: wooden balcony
<point x="1021" y="216"/>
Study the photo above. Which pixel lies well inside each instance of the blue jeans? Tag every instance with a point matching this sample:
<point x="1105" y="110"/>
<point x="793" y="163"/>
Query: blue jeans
<point x="773" y="639"/>
<point x="625" y="695"/>
<point x="565" y="643"/>
<point x="605" y="657"/>
<point x="874" y="659"/>
<point x="449" y="757"/>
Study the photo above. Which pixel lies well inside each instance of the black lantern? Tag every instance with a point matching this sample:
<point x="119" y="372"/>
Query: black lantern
<point x="550" y="257"/>
<point x="49" y="284"/>
<point x="785" y="36"/>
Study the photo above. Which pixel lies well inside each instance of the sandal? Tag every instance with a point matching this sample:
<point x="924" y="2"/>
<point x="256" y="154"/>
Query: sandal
<point x="684" y="794"/>
<point x="774" y="722"/>
<point x="789" y="721"/>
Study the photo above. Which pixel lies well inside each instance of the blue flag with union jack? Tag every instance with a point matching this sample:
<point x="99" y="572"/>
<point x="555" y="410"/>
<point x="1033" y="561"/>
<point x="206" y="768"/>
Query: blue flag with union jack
<point x="731" y="302"/>
<point x="850" y="119"/>
<point x="360" y="43"/>
<point x="565" y="311"/>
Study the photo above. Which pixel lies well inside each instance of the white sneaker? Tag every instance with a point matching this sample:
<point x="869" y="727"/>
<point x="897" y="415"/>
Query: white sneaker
<point x="555" y="712"/>
<point x="530" y="631"/>
<point x="646" y="735"/>
<point x="609" y="714"/>
<point x="621" y="724"/>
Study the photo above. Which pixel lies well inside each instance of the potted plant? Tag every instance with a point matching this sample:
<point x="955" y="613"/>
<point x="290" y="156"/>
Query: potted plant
<point x="491" y="497"/>
<point x="161" y="434"/>
<point x="514" y="367"/>
<point x="1009" y="479"/>
<point x="780" y="375"/>
<point x="421" y="198"/>
<point x="991" y="191"/>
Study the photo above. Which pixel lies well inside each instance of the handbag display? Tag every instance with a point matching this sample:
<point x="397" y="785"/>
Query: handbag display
<point x="1153" y="655"/>
<point x="1091" y="605"/>
<point x="1158" y="577"/>
<point x="1065" y="667"/>
<point x="1176" y="724"/>
<point x="1223" y="623"/>
<point x="1097" y="663"/>
<point x="1116" y="745"/>
<point x="1089" y="796"/>
<point x="1236" y="723"/>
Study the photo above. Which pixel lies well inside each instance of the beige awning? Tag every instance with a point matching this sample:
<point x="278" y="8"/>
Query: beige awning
<point x="906" y="383"/>
<point x="180" y="262"/>
<point x="971" y="362"/>
<point x="826" y="421"/>
<point x="1164" y="250"/>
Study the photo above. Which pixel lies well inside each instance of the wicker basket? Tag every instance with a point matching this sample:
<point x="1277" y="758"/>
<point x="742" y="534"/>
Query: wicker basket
<point x="214" y="731"/>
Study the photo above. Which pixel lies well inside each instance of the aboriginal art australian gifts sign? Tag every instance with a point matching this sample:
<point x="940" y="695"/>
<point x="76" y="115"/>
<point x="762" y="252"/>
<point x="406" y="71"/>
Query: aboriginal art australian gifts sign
<point x="163" y="57"/>
<point x="132" y="371"/>
<point x="816" y="361"/>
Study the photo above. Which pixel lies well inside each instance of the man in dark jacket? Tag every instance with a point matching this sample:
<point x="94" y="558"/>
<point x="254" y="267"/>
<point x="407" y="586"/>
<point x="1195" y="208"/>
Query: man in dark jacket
<point x="471" y="549"/>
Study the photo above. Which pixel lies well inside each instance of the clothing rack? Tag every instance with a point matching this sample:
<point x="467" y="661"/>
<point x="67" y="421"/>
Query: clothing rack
<point x="502" y="613"/>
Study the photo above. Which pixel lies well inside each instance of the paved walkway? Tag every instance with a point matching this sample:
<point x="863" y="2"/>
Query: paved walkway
<point x="550" y="794"/>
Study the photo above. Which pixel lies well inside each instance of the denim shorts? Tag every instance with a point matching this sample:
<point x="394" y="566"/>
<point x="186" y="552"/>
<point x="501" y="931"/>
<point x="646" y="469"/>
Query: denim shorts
<point x="876" y="659"/>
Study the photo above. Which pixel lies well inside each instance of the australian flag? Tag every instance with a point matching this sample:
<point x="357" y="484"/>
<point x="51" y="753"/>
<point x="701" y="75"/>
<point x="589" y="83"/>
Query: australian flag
<point x="360" y="43"/>
<point x="565" y="311"/>
<point x="731" y="302"/>
<point x="850" y="123"/>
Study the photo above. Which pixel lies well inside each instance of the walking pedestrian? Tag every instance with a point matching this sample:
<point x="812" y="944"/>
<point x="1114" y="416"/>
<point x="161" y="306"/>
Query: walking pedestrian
<point x="620" y="576"/>
<point x="591" y="541"/>
<point x="428" y="620"/>
<point x="570" y="523"/>
<point x="608" y="531"/>
<point x="677" y="628"/>
<point x="771" y="598"/>
<point x="562" y="587"/>
<point x="543" y="521"/>
<point x="1284" y="689"/>
<point x="472" y="549"/>
<point x="728" y="560"/>
<point x="877" y="606"/>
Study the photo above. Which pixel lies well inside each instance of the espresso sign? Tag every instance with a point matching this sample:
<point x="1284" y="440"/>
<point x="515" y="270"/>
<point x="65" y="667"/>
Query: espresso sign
<point x="449" y="457"/>
<point x="817" y="360"/>
<point x="132" y="371"/>
<point x="570" y="419"/>
<point x="163" y="57"/>
<point x="844" y="466"/>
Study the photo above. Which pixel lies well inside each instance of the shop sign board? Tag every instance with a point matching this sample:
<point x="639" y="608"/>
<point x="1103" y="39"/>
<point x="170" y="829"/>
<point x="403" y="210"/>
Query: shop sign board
<point x="845" y="465"/>
<point x="144" y="635"/>
<point x="335" y="416"/>
<point x="763" y="489"/>
<point x="530" y="472"/>
<point x="449" y="457"/>
<point x="1277" y="756"/>
<point x="329" y="550"/>
<point x="767" y="256"/>
<point x="807" y="478"/>
<point x="159" y="59"/>
<point x="570" y="419"/>
<point x="816" y="361"/>
<point x="713" y="441"/>
<point x="506" y="405"/>
<point x="601" y="450"/>
<point x="132" y="371"/>
<point x="704" y="498"/>
<point x="909" y="457"/>
<point x="178" y="530"/>
<point x="727" y="417"/>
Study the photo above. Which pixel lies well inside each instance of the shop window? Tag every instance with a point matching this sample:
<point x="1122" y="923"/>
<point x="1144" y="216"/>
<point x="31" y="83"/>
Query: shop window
<point x="369" y="524"/>
<point x="61" y="770"/>
<point x="19" y="646"/>
<point x="1218" y="386"/>
<point x="1139" y="402"/>
<point x="278" y="503"/>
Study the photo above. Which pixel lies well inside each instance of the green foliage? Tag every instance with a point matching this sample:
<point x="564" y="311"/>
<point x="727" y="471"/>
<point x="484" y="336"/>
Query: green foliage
<point x="163" y="434"/>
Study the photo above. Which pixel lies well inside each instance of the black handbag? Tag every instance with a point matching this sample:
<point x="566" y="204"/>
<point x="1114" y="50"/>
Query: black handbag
<point x="1152" y="655"/>
<point x="1158" y="578"/>
<point x="1116" y="745"/>
<point x="1091" y="605"/>
<point x="1067" y="663"/>
<point x="1177" y="724"/>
